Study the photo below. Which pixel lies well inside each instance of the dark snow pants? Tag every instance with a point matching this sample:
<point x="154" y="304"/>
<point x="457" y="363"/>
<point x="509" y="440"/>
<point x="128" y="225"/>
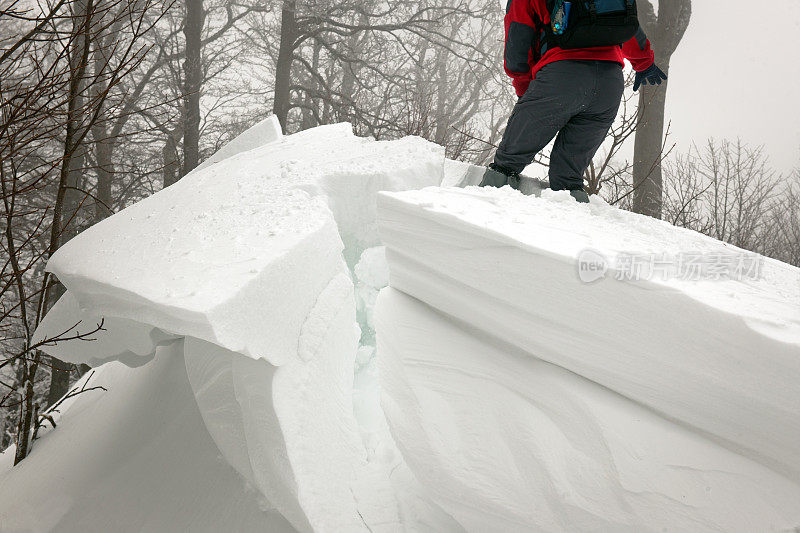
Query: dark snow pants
<point x="578" y="101"/>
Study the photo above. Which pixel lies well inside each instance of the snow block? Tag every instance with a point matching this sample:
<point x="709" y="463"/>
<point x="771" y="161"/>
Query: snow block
<point x="720" y="356"/>
<point x="200" y="267"/>
<point x="237" y="253"/>
<point x="507" y="442"/>
<point x="290" y="430"/>
<point x="267" y="131"/>
<point x="244" y="263"/>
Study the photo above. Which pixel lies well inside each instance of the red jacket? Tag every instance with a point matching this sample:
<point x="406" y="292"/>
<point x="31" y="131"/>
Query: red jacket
<point x="525" y="20"/>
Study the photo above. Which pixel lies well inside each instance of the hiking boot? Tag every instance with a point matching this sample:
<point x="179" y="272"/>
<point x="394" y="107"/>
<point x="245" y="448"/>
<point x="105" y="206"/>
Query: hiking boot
<point x="497" y="176"/>
<point x="580" y="196"/>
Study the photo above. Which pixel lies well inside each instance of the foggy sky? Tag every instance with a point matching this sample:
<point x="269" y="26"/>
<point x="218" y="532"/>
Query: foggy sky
<point x="737" y="74"/>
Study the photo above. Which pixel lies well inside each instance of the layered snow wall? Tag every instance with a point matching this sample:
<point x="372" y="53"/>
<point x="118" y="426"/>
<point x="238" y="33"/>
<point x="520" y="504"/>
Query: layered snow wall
<point x="528" y="394"/>
<point x="524" y="394"/>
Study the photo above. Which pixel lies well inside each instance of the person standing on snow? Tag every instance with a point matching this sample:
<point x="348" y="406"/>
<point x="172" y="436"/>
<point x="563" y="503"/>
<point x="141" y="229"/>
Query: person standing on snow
<point x="566" y="59"/>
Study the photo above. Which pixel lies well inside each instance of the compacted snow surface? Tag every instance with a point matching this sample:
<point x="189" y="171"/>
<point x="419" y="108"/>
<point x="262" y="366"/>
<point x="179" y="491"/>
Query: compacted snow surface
<point x="286" y="348"/>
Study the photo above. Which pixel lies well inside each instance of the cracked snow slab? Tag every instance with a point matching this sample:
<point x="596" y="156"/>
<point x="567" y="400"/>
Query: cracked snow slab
<point x="245" y="265"/>
<point x="203" y="257"/>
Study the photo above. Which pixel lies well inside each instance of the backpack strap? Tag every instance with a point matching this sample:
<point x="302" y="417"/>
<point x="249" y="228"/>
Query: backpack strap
<point x="631" y="10"/>
<point x="592" y="10"/>
<point x="542" y="45"/>
<point x="547" y="39"/>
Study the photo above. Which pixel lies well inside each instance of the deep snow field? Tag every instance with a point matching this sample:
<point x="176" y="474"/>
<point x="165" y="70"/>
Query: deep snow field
<point x="287" y="348"/>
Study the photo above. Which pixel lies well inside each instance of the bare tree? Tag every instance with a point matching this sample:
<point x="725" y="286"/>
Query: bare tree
<point x="665" y="32"/>
<point x="193" y="76"/>
<point x="727" y="190"/>
<point x="346" y="33"/>
<point x="68" y="196"/>
<point x="182" y="70"/>
<point x="50" y="101"/>
<point x="781" y="238"/>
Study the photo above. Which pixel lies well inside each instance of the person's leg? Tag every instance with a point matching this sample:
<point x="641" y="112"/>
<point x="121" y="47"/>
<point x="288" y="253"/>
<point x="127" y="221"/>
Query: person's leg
<point x="557" y="93"/>
<point x="581" y="137"/>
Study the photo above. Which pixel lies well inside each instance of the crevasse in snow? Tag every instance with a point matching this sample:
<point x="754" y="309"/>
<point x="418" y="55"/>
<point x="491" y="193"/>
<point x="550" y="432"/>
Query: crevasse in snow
<point x="518" y="398"/>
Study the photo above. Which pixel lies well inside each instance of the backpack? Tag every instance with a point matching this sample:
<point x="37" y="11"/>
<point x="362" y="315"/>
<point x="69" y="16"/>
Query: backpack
<point x="591" y="23"/>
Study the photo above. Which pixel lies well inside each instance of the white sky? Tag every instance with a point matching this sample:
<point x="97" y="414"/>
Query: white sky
<point x="737" y="74"/>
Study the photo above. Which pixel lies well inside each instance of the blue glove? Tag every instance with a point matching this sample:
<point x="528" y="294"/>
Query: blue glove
<point x="652" y="76"/>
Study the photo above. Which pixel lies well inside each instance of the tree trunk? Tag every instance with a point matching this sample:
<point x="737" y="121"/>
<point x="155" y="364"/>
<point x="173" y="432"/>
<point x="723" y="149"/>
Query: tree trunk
<point x="26" y="421"/>
<point x="171" y="162"/>
<point x="193" y="77"/>
<point x="665" y="32"/>
<point x="103" y="145"/>
<point x="283" y="67"/>
<point x="648" y="148"/>
<point x="105" y="175"/>
<point x="442" y="119"/>
<point x="344" y="110"/>
<point x="352" y="51"/>
<point x="68" y="197"/>
<point x="308" y="119"/>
